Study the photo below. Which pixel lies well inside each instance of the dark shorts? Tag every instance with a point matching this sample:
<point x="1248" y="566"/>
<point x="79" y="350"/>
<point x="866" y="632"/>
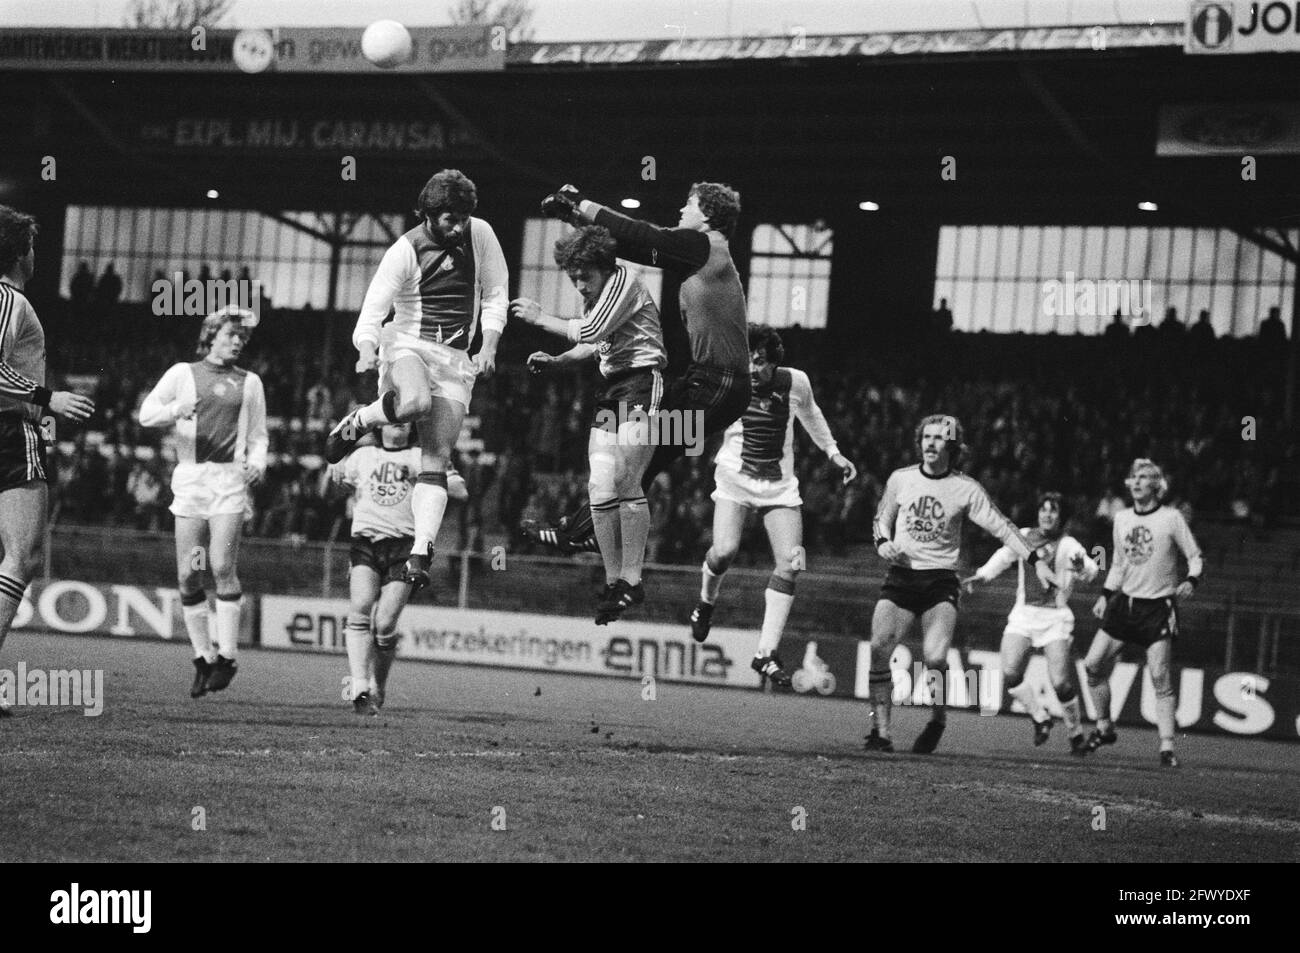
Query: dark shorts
<point x="719" y="396"/>
<point x="1140" y="621"/>
<point x="384" y="556"/>
<point x="641" y="388"/>
<point x="917" y="590"/>
<point x="22" y="452"/>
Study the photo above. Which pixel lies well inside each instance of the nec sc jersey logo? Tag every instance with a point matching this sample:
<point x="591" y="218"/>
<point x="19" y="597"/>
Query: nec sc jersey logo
<point x="1139" y="544"/>
<point x="390" y="483"/>
<point x="926" y="519"/>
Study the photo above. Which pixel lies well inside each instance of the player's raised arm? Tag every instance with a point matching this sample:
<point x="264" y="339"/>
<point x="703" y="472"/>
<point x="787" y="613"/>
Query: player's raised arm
<point x="163" y="406"/>
<point x="814" y="422"/>
<point x="985" y="514"/>
<point x="682" y="250"/>
<point x="394" y="273"/>
<point x="539" y="362"/>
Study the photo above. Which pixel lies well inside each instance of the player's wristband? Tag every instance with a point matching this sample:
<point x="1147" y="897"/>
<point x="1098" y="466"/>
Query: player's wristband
<point x="41" y="396"/>
<point x="880" y="541"/>
<point x="1193" y="580"/>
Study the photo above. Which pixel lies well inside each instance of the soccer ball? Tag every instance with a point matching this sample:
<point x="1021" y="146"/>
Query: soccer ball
<point x="386" y="43"/>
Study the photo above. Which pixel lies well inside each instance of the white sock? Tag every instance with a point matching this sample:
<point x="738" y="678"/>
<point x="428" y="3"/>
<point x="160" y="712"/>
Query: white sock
<point x="634" y="527"/>
<point x="428" y="503"/>
<point x="356" y="637"/>
<point x="711" y="582"/>
<point x="778" y="602"/>
<point x="607" y="522"/>
<point x="1165" y="724"/>
<point x="1028" y="696"/>
<point x="196" y="624"/>
<point x="1073" y="716"/>
<point x="228" y="626"/>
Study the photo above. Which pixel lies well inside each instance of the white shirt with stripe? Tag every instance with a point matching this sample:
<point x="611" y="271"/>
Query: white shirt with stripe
<point x="396" y="288"/>
<point x="1053" y="577"/>
<point x="623" y="324"/>
<point x="22" y="354"/>
<point x="178" y="387"/>
<point x="750" y="442"/>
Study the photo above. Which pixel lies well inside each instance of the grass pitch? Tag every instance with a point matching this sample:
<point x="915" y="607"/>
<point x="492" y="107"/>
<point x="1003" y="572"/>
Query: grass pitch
<point x="578" y="768"/>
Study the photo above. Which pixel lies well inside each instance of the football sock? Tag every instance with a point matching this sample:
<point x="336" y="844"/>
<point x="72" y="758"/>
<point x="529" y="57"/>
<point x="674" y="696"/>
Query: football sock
<point x="194" y="609"/>
<point x="356" y="637"/>
<point x="607" y="522"/>
<point x="1069" y="699"/>
<point x="228" y="623"/>
<point x="779" y="597"/>
<point x="1027" y="695"/>
<point x="383" y="655"/>
<point x="11" y="597"/>
<point x="939" y="706"/>
<point x="712" y="582"/>
<point x="634" y="527"/>
<point x="428" y="504"/>
<point x="880" y="693"/>
<point x="379" y="412"/>
<point x="1100" y="688"/>
<point x="1165" y="705"/>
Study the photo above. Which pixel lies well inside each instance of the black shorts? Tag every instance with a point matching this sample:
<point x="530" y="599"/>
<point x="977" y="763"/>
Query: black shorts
<point x="719" y="396"/>
<point x="640" y="388"/>
<point x="1143" y="622"/>
<point x="917" y="590"/>
<point x="22" y="451"/>
<point x="385" y="556"/>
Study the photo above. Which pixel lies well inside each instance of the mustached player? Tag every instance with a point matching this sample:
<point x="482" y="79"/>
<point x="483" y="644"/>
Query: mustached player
<point x="755" y="471"/>
<point x="1140" y="602"/>
<point x="439" y="279"/>
<point x="918" y="532"/>
<point x="620" y="322"/>
<point x="219" y="412"/>
<point x="1042" y="618"/>
<point x="383" y="476"/>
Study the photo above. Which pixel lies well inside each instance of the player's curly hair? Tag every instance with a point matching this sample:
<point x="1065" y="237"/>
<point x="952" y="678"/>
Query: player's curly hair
<point x="213" y="323"/>
<point x="447" y="191"/>
<point x="17" y="232"/>
<point x="589" y="247"/>
<point x="1162" y="482"/>
<point x="720" y="205"/>
<point x="952" y="433"/>
<point x="765" y="340"/>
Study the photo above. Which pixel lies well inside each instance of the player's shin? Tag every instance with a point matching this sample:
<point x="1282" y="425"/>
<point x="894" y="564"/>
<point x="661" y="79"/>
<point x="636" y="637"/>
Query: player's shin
<point x="11" y="597"/>
<point x="938" y="672"/>
<point x="228" y="606"/>
<point x="1166" y="705"/>
<point x="880" y="691"/>
<point x="779" y="597"/>
<point x="606" y="520"/>
<point x="384" y="652"/>
<point x="356" y="637"/>
<point x="1069" y="699"/>
<point x="1099" y="688"/>
<point x="428" y="505"/>
<point x="379" y="412"/>
<point x="711" y="579"/>
<point x="194" y="610"/>
<point x="634" y="527"/>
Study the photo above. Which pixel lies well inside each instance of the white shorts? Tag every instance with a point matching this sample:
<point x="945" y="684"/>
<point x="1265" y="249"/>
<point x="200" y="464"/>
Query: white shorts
<point x="1040" y="625"/>
<point x="757" y="494"/>
<point x="451" y="372"/>
<point x="204" y="490"/>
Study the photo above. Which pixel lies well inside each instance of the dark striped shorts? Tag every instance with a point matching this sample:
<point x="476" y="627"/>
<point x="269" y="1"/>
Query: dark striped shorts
<point x="22" y="452"/>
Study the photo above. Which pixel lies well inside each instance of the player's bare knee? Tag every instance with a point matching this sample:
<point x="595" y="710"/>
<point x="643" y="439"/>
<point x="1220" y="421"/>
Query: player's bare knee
<point x="413" y="406"/>
<point x="386" y="621"/>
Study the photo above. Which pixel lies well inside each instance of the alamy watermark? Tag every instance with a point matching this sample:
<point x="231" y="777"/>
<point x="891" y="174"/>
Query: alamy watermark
<point x="53" y="688"/>
<point x="178" y="295"/>
<point x="662" y="428"/>
<point x="1098" y="298"/>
